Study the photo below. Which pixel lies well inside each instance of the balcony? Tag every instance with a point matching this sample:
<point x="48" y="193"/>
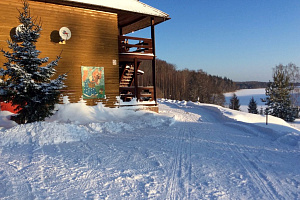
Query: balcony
<point x="134" y="47"/>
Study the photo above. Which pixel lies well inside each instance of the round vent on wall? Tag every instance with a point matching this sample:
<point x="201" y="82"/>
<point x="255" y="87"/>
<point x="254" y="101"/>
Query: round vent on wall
<point x="19" y="29"/>
<point x="65" y="33"/>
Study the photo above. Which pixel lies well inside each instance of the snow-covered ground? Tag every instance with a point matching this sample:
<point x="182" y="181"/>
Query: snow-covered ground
<point x="187" y="151"/>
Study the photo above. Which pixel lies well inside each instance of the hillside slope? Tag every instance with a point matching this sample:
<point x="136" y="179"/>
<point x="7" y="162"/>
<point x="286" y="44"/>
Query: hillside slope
<point x="187" y="151"/>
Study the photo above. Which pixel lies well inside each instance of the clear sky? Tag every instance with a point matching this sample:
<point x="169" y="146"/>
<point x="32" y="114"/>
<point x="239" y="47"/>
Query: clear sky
<point x="240" y="39"/>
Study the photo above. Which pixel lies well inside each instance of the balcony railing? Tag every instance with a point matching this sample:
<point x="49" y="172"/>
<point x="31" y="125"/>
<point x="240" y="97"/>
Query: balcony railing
<point x="143" y="93"/>
<point x="135" y="45"/>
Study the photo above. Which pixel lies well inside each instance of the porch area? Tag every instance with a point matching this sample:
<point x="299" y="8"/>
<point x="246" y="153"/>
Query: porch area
<point x="132" y="52"/>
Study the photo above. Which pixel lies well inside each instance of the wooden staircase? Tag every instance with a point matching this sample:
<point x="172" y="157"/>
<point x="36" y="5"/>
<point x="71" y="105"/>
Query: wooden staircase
<point x="127" y="79"/>
<point x="127" y="76"/>
<point x="130" y="89"/>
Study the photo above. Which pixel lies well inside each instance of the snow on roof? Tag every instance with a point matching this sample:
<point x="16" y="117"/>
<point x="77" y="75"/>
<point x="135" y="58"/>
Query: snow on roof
<point x="126" y="5"/>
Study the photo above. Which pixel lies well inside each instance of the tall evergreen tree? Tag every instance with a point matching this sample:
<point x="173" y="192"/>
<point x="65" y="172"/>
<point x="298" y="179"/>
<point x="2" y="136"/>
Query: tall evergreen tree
<point x="26" y="83"/>
<point x="234" y="102"/>
<point x="293" y="72"/>
<point x="278" y="97"/>
<point x="252" y="106"/>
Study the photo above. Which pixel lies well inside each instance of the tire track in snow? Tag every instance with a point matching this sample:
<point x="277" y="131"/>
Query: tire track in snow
<point x="189" y="164"/>
<point x="270" y="179"/>
<point x="173" y="186"/>
<point x="258" y="178"/>
<point x="181" y="167"/>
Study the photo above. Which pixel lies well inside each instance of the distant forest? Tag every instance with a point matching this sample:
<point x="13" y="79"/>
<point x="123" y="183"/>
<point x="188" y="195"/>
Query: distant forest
<point x="186" y="84"/>
<point x="251" y="85"/>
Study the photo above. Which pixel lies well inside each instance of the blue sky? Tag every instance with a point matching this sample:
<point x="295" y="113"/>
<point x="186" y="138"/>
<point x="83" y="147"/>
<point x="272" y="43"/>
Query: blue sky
<point x="240" y="39"/>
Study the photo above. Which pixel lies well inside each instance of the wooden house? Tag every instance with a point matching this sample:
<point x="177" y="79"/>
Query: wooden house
<point x="101" y="61"/>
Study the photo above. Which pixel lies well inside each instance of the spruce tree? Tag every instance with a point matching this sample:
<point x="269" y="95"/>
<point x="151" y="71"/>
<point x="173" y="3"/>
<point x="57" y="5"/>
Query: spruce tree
<point x="252" y="106"/>
<point x="234" y="102"/>
<point x="27" y="84"/>
<point x="278" y="97"/>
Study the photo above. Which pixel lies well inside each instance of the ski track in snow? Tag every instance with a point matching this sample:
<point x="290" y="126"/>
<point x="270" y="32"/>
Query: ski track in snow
<point x="203" y="155"/>
<point x="180" y="171"/>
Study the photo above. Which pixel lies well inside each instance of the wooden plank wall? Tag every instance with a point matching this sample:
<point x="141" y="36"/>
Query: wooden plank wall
<point x="94" y="42"/>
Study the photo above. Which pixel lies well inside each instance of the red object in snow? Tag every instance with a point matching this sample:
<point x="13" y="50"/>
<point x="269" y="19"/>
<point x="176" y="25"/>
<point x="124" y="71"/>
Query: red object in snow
<point x="8" y="107"/>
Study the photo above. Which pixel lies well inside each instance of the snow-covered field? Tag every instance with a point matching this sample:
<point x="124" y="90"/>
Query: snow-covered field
<point x="187" y="151"/>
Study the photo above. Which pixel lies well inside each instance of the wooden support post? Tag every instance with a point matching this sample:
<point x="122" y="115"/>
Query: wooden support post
<point x="153" y="60"/>
<point x="136" y="89"/>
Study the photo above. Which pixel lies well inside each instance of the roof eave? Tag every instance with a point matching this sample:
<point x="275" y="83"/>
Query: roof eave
<point x="133" y="26"/>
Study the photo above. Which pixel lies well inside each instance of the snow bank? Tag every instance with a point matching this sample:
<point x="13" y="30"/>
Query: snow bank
<point x="4" y="120"/>
<point x="252" y="118"/>
<point x="78" y="122"/>
<point x="43" y="133"/>
<point x="112" y="119"/>
<point x="277" y="129"/>
<point x="80" y="113"/>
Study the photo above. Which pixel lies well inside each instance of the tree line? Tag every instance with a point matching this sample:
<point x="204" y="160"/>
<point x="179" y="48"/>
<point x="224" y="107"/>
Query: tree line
<point x="251" y="85"/>
<point x="186" y="84"/>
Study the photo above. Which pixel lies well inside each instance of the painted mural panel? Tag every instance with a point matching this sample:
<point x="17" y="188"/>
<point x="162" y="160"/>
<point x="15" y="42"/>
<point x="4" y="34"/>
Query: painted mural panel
<point x="93" y="86"/>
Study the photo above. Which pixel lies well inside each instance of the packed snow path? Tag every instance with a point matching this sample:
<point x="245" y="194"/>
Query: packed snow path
<point x="189" y="151"/>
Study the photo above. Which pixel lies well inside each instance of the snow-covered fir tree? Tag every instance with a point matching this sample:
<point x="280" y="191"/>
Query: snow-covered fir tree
<point x="234" y="102"/>
<point x="26" y="83"/>
<point x="278" y="97"/>
<point x="252" y="106"/>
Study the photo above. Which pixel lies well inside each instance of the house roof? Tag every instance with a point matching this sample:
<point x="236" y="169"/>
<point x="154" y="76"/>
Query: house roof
<point x="126" y="5"/>
<point x="133" y="15"/>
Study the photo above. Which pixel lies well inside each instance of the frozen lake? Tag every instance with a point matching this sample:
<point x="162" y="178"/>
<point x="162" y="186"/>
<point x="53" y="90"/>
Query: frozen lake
<point x="245" y="95"/>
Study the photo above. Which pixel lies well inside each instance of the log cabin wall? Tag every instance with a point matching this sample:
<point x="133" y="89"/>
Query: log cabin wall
<point x="94" y="42"/>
